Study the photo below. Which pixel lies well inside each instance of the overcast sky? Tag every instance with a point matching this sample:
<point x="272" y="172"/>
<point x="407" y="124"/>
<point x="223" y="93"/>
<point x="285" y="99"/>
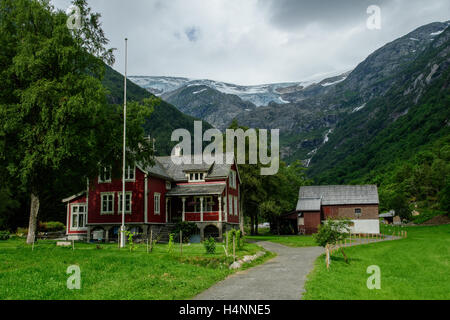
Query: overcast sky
<point x="254" y="41"/>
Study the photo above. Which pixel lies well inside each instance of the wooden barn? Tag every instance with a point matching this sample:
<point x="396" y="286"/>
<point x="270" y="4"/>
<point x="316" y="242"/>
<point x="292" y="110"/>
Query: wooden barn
<point x="358" y="203"/>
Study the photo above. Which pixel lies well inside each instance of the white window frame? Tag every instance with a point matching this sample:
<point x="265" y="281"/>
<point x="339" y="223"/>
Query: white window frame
<point x="119" y="202"/>
<point x="235" y="205"/>
<point x="105" y="169"/>
<point x="77" y="214"/>
<point x="102" y="212"/>
<point x="128" y="171"/>
<point x="233" y="183"/>
<point x="230" y="206"/>
<point x="196" y="176"/>
<point x="157" y="203"/>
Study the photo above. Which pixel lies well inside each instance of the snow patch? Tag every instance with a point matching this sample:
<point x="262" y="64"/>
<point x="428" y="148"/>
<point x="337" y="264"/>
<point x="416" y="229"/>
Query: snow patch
<point x="283" y="101"/>
<point x="359" y="108"/>
<point x="436" y="33"/>
<point x="414" y="39"/>
<point x="326" y="139"/>
<point x="197" y="92"/>
<point x="333" y="83"/>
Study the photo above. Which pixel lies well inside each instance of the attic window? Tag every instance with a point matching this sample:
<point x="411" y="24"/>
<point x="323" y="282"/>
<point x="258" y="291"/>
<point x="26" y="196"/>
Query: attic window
<point x="196" y="176"/>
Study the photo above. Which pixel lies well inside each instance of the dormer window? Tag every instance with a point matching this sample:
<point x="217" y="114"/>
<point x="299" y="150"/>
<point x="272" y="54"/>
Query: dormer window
<point x="105" y="175"/>
<point x="196" y="176"/>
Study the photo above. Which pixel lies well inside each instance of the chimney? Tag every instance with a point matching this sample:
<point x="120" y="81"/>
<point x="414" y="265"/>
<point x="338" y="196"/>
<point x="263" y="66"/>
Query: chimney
<point x="177" y="151"/>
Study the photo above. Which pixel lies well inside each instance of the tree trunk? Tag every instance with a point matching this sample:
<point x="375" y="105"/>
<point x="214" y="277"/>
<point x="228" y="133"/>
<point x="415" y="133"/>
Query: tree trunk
<point x="32" y="225"/>
<point x="345" y="256"/>
<point x="256" y="224"/>
<point x="252" y="224"/>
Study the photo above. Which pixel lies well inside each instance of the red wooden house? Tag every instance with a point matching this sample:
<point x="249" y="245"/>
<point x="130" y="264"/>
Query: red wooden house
<point x="156" y="198"/>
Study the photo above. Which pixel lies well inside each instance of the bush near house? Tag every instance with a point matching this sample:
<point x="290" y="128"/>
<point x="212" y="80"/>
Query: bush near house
<point x="51" y="226"/>
<point x="4" y="235"/>
<point x="210" y="245"/>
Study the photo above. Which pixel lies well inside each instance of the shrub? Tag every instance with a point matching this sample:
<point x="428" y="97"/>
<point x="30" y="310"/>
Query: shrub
<point x="4" y="235"/>
<point x="51" y="226"/>
<point x="210" y="245"/>
<point x="22" y="232"/>
<point x="188" y="229"/>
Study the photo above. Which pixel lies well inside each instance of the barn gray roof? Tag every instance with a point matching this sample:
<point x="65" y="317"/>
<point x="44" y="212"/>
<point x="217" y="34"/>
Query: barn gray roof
<point x="200" y="189"/>
<point x="310" y="196"/>
<point x="309" y="204"/>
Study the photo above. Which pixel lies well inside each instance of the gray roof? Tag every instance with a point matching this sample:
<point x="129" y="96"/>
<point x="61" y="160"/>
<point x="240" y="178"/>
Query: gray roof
<point x="197" y="189"/>
<point x="178" y="172"/>
<point x="309" y="204"/>
<point x="337" y="195"/>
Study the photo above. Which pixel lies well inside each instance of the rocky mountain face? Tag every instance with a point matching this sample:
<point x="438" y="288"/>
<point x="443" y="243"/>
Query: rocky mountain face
<point x="211" y="105"/>
<point x="305" y="123"/>
<point x="259" y="95"/>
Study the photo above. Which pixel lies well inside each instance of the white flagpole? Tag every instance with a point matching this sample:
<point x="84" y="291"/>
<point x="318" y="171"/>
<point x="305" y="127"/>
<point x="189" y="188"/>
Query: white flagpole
<point x="122" y="228"/>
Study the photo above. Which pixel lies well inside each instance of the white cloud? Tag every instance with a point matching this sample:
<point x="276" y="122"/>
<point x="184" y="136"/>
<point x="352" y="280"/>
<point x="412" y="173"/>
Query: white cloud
<point x="240" y="41"/>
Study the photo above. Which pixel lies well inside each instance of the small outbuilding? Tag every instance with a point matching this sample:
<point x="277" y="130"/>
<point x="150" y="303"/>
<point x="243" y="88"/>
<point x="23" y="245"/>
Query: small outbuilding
<point x="358" y="203"/>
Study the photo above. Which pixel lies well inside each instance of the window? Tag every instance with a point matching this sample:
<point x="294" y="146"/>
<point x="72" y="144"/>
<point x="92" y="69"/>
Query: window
<point x="358" y="212"/>
<point x="168" y="185"/>
<point x="233" y="182"/>
<point x="235" y="206"/>
<point x="230" y="206"/>
<point x="128" y="196"/>
<point x="207" y="204"/>
<point x="157" y="203"/>
<point x="107" y="203"/>
<point x="78" y="216"/>
<point x="105" y="175"/>
<point x="130" y="173"/>
<point x="196" y="176"/>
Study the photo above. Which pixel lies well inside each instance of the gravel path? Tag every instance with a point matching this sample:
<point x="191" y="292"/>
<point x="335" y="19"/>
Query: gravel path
<point x="281" y="278"/>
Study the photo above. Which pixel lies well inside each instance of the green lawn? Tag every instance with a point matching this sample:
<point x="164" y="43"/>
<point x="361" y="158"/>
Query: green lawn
<point x="412" y="268"/>
<point x="110" y="273"/>
<point x="291" y="241"/>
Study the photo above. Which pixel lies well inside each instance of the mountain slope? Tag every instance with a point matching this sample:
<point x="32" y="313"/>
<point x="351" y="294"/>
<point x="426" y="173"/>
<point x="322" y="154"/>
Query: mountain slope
<point x="305" y="123"/>
<point x="259" y="95"/>
<point x="165" y="118"/>
<point x="211" y="105"/>
<point x="412" y="115"/>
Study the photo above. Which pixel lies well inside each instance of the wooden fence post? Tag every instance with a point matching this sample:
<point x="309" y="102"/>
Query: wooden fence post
<point x="234" y="248"/>
<point x="181" y="242"/>
<point x="327" y="255"/>
<point x="151" y="240"/>
<point x="227" y="233"/>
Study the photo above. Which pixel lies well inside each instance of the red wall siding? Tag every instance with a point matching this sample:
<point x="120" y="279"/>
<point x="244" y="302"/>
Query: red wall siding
<point x="312" y="222"/>
<point x="233" y="192"/>
<point x="137" y="200"/>
<point x="156" y="185"/>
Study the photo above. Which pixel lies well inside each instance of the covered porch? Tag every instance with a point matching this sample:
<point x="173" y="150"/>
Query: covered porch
<point x="196" y="203"/>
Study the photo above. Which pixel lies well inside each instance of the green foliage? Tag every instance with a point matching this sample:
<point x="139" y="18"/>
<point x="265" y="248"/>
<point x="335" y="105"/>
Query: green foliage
<point x="210" y="245"/>
<point x="267" y="197"/>
<point x="427" y="214"/>
<point x="188" y="228"/>
<point x="56" y="127"/>
<point x="239" y="239"/>
<point x="332" y="231"/>
<point x="51" y="226"/>
<point x="130" y="236"/>
<point x="4" y="235"/>
<point x="170" y="245"/>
